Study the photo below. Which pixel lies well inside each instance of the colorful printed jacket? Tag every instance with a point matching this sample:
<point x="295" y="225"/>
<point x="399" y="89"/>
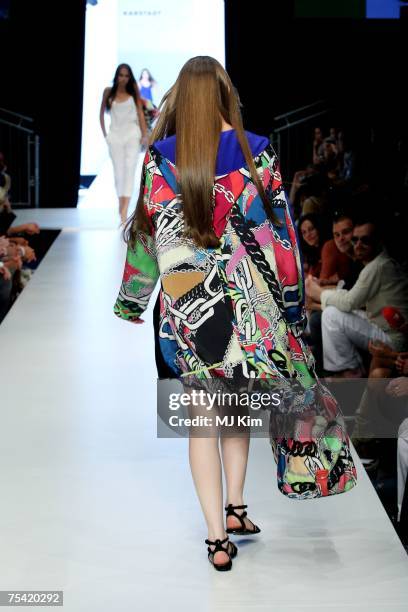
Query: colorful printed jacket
<point x="233" y="310"/>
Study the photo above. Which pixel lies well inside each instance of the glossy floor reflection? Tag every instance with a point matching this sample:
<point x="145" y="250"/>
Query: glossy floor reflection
<point x="94" y="504"/>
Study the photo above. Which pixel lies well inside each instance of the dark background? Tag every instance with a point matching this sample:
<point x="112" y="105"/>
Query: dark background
<point x="42" y="76"/>
<point x="278" y="63"/>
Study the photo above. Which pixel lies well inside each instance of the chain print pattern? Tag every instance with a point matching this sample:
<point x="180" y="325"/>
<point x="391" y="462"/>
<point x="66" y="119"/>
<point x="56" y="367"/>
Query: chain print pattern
<point x="204" y="316"/>
<point x="252" y="246"/>
<point x="218" y="188"/>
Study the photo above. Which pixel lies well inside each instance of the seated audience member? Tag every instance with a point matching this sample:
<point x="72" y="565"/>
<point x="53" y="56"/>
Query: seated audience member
<point x="331" y="156"/>
<point x="5" y="290"/>
<point x="346" y="328"/>
<point x="311" y="168"/>
<point x="338" y="262"/>
<point x="10" y="265"/>
<point x="398" y="388"/>
<point x="311" y="238"/>
<point x="300" y="190"/>
<point x="385" y="363"/>
<point x="5" y="183"/>
<point x="13" y="277"/>
<point x="329" y="148"/>
<point x="6" y="210"/>
<point x="5" y="279"/>
<point x="337" y="252"/>
<point x="16" y="254"/>
<point x="314" y="205"/>
<point x="317" y="155"/>
<point x="347" y="157"/>
<point x="315" y="189"/>
<point x="24" y="228"/>
<point x="384" y="359"/>
<point x="331" y="164"/>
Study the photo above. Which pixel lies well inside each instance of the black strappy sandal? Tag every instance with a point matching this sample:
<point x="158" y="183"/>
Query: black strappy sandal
<point x="231" y="551"/>
<point x="243" y="530"/>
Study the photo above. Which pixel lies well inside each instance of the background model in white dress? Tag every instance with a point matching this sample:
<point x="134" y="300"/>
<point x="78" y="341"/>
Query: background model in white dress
<point x="127" y="131"/>
<point x="124" y="139"/>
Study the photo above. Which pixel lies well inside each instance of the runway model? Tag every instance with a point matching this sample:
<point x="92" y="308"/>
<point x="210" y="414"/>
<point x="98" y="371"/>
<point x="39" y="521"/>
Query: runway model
<point x="127" y="131"/>
<point x="212" y="222"/>
<point x="146" y="84"/>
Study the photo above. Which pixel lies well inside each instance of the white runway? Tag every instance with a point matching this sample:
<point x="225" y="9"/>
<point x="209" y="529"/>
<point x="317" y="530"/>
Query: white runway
<point x="92" y="503"/>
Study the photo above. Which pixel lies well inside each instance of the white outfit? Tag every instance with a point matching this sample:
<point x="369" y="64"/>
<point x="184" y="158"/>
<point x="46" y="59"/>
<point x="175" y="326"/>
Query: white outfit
<point x="402" y="462"/>
<point x="343" y="334"/>
<point x="346" y="328"/>
<point x="124" y="144"/>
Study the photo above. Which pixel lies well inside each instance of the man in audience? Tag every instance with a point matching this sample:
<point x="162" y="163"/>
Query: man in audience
<point x="338" y="260"/>
<point x="338" y="263"/>
<point x="346" y="328"/>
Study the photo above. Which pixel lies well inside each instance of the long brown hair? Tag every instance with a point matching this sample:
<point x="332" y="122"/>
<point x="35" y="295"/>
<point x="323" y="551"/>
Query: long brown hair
<point x="131" y="86"/>
<point x="193" y="108"/>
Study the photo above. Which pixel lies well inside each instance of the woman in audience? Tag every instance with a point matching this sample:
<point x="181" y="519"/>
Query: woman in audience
<point x="312" y="238"/>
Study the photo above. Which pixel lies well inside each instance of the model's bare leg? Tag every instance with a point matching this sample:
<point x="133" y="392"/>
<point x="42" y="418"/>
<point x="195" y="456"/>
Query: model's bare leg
<point x="235" y="459"/>
<point x="205" y="463"/>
